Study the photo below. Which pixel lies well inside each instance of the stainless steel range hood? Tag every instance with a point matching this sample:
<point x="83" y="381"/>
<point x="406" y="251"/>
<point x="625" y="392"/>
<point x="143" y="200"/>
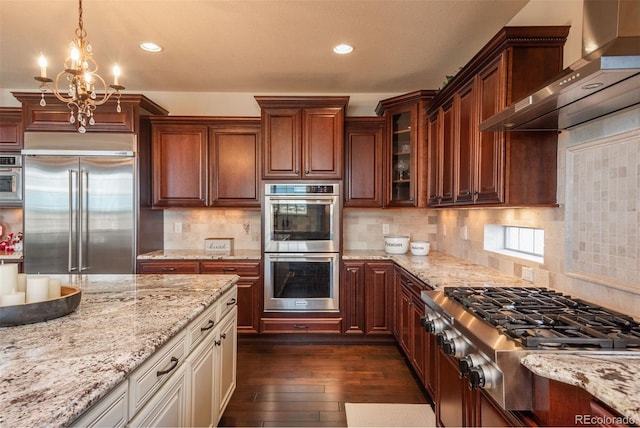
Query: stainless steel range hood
<point x="605" y="80"/>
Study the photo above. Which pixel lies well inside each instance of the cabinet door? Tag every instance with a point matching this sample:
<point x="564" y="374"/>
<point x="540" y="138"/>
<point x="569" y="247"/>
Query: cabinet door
<point x="323" y="142"/>
<point x="491" y="145"/>
<point x="233" y="161"/>
<point x="447" y="155"/>
<point x="353" y="292"/>
<point x="435" y="150"/>
<point x="363" y="162"/>
<point x="402" y="157"/>
<point x="417" y="337"/>
<point x="168" y="407"/>
<point x="449" y="401"/>
<point x="378" y="310"/>
<point x="404" y="319"/>
<point x="201" y="380"/>
<point x="249" y="290"/>
<point x="466" y="126"/>
<point x="282" y="144"/>
<point x="179" y="165"/>
<point x="10" y="129"/>
<point x="225" y="369"/>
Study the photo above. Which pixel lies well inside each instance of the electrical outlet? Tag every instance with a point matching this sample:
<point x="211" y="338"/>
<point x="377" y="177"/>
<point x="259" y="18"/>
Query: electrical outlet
<point x="247" y="227"/>
<point x="385" y="228"/>
<point x="527" y="273"/>
<point x="177" y="227"/>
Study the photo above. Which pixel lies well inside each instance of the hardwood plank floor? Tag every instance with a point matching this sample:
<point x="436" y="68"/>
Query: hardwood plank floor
<point x="306" y="385"/>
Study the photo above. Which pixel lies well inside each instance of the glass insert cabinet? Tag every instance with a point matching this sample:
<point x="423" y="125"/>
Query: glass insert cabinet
<point x="404" y="148"/>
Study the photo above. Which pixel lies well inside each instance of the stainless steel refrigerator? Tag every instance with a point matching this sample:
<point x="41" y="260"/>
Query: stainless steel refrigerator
<point x="80" y="203"/>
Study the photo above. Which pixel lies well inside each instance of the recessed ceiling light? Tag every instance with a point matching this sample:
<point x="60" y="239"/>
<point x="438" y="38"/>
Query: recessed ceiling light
<point x="343" y="49"/>
<point x="150" y="47"/>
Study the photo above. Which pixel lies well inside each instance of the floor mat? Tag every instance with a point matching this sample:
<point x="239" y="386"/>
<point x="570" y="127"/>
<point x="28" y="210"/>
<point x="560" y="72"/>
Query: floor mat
<point x="389" y="415"/>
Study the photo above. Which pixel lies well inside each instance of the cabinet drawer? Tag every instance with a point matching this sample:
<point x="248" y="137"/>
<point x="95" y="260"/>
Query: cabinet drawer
<point x="301" y="325"/>
<point x="169" y="267"/>
<point x="203" y="326"/>
<point x="110" y="411"/>
<point x="412" y="284"/>
<point x="227" y="302"/>
<point x="147" y="378"/>
<point x="240" y="269"/>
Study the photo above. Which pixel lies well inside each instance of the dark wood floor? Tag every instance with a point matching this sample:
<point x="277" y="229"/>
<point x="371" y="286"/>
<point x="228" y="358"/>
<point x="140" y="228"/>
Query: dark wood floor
<point x="308" y="384"/>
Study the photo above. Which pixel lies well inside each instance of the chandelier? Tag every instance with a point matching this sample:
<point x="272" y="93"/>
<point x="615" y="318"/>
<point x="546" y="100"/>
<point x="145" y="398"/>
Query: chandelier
<point x="80" y="78"/>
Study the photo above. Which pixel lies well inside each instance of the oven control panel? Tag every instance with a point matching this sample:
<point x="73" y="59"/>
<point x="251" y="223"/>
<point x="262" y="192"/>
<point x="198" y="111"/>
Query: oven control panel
<point x="302" y="189"/>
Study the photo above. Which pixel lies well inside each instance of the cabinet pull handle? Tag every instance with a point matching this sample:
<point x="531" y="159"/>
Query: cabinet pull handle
<point x="229" y="269"/>
<point x="306" y="172"/>
<point x="297" y="171"/>
<point x="223" y="335"/>
<point x="300" y="326"/>
<point x="231" y="302"/>
<point x="174" y="363"/>
<point x="167" y="269"/>
<point x="209" y="326"/>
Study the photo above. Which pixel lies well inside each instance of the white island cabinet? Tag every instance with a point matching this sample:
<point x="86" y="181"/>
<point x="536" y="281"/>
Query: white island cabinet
<point x="188" y="382"/>
<point x="140" y="350"/>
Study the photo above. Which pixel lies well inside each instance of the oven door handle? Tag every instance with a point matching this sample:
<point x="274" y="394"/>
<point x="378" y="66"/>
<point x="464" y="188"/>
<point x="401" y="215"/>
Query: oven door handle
<point x="306" y="256"/>
<point x="298" y="200"/>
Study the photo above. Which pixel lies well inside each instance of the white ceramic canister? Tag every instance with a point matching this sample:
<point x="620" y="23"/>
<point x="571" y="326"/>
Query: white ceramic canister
<point x="420" y="248"/>
<point x="396" y="244"/>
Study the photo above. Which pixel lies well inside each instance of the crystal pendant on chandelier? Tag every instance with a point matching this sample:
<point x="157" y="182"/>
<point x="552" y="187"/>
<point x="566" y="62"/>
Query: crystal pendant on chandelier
<point x="80" y="76"/>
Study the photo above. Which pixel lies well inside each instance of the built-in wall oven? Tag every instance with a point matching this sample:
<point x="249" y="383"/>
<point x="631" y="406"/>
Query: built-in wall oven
<point x="10" y="179"/>
<point x="301" y="238"/>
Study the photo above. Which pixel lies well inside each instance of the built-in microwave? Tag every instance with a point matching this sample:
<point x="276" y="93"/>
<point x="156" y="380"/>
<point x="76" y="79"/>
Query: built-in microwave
<point x="10" y="179"/>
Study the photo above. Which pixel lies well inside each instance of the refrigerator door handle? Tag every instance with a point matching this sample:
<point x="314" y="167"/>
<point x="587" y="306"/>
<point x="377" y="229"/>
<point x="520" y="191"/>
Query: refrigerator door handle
<point x="73" y="179"/>
<point x="84" y="218"/>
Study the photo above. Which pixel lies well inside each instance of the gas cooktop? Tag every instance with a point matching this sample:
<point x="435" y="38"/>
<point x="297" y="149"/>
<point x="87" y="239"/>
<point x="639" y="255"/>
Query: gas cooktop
<point x="539" y="318"/>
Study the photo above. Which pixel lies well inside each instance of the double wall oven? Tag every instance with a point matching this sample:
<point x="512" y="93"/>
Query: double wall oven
<point x="301" y="246"/>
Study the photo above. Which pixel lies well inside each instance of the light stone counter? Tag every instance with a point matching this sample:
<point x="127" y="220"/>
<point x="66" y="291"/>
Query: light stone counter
<point x="11" y="256"/>
<point x="52" y="372"/>
<point x="441" y="270"/>
<point x="200" y="255"/>
<point x="612" y="379"/>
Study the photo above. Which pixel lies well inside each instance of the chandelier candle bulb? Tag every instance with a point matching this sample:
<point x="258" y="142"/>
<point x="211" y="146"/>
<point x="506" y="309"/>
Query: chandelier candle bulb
<point x="116" y="75"/>
<point x="8" y="278"/>
<point x="37" y="288"/>
<point x="42" y="61"/>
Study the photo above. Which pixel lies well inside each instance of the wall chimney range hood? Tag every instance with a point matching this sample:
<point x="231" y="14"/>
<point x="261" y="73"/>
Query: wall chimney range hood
<point x="605" y="80"/>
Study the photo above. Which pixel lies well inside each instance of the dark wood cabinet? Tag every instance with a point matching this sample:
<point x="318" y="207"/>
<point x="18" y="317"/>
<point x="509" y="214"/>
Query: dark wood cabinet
<point x="249" y="285"/>
<point x="11" y="134"/>
<point x="469" y="167"/>
<point x="450" y="403"/>
<point x="363" y="181"/>
<point x="249" y="290"/>
<point x="205" y="162"/>
<point x="303" y="137"/>
<point x="234" y="174"/>
<point x="366" y="296"/>
<point x="179" y="165"/>
<point x="55" y="115"/>
<point x="410" y="333"/>
<point x="405" y="149"/>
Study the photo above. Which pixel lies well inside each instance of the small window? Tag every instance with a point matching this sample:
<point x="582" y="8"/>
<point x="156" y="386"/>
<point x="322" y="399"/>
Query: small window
<point x="522" y="242"/>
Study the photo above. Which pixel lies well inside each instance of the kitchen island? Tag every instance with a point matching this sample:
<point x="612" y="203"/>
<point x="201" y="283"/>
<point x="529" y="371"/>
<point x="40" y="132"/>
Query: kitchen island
<point x="54" y="371"/>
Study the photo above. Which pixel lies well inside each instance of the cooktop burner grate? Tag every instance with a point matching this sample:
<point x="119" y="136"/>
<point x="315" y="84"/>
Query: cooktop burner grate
<point x="543" y="318"/>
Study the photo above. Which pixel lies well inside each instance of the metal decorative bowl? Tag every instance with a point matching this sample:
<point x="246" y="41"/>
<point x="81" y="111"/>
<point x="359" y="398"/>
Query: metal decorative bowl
<point x="30" y="313"/>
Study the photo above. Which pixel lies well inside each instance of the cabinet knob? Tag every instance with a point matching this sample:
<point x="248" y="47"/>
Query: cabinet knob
<point x="297" y="171"/>
<point x="306" y="171"/>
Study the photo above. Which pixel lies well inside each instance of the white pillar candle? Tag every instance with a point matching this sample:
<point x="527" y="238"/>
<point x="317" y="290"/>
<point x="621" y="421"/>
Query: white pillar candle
<point x="15" y="298"/>
<point x="22" y="282"/>
<point x="37" y="288"/>
<point x="54" y="288"/>
<point x="8" y="277"/>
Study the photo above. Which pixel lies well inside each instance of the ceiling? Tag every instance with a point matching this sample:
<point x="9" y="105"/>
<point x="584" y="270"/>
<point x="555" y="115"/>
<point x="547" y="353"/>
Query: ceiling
<point x="259" y="46"/>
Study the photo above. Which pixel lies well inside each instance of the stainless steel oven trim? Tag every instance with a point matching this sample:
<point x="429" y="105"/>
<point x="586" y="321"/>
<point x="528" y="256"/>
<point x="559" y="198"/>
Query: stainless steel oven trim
<point x="14" y="171"/>
<point x="331" y="304"/>
<point x="332" y="245"/>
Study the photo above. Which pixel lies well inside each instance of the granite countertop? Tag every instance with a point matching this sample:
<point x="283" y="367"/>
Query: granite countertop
<point x="52" y="372"/>
<point x="611" y="378"/>
<point x="441" y="270"/>
<point x="201" y="255"/>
